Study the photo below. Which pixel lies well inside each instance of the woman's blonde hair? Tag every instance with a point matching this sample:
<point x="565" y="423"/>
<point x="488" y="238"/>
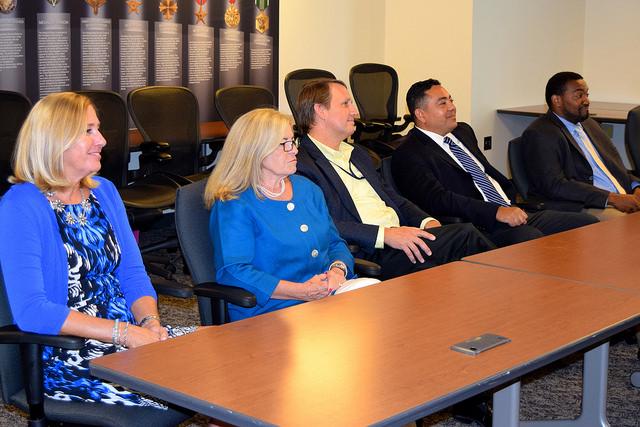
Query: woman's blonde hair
<point x="252" y="137"/>
<point x="54" y="124"/>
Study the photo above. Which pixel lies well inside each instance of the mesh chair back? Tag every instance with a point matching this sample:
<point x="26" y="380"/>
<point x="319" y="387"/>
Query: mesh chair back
<point x="112" y="112"/>
<point x="632" y="137"/>
<point x="375" y="90"/>
<point x="295" y="80"/>
<point x="516" y="164"/>
<point x="169" y="114"/>
<point x="192" y="226"/>
<point x="234" y="101"/>
<point x="14" y="108"/>
<point x="10" y="371"/>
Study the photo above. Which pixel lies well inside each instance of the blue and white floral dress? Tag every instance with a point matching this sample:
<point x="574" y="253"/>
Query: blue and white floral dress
<point x="93" y="255"/>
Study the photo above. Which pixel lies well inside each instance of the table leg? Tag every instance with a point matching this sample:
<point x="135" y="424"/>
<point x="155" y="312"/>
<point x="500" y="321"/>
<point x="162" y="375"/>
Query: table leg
<point x="506" y="402"/>
<point x="506" y="406"/>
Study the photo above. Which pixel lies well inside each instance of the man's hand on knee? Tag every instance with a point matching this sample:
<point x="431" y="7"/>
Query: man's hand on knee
<point x="410" y="241"/>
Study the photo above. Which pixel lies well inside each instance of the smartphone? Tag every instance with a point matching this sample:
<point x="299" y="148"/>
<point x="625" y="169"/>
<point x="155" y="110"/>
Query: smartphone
<point x="480" y="343"/>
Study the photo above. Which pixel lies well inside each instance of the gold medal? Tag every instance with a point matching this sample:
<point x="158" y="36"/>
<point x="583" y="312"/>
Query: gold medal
<point x="232" y="15"/>
<point x="7" y="6"/>
<point x="96" y="5"/>
<point x="134" y="6"/>
<point x="262" y="22"/>
<point x="168" y="8"/>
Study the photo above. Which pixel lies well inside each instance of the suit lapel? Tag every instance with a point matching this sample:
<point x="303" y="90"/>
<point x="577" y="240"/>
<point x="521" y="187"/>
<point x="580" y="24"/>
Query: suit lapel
<point x="433" y="148"/>
<point x="331" y="175"/>
<point x="556" y="121"/>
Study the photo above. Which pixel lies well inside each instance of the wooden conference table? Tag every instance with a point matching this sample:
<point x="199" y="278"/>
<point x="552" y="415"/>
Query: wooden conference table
<point x="609" y="112"/>
<point x="603" y="254"/>
<point x="380" y="355"/>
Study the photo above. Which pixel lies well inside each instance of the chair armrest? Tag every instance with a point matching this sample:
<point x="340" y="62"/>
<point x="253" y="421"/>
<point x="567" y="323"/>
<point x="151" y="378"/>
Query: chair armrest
<point x="366" y="268"/>
<point x="154" y="146"/>
<point x="10" y="334"/>
<point x="231" y="294"/>
<point x="402" y="126"/>
<point x="372" y="126"/>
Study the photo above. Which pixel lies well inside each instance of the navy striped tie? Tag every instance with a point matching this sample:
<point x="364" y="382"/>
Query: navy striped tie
<point x="479" y="177"/>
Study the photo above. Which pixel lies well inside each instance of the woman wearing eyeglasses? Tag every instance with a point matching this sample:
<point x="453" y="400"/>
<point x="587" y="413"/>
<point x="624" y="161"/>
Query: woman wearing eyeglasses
<point x="271" y="230"/>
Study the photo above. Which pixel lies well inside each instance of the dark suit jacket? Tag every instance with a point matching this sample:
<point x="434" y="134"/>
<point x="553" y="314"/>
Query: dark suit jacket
<point x="315" y="166"/>
<point x="429" y="177"/>
<point x="558" y="170"/>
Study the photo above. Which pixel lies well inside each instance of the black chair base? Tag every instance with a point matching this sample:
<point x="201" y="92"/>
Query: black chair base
<point x="83" y="413"/>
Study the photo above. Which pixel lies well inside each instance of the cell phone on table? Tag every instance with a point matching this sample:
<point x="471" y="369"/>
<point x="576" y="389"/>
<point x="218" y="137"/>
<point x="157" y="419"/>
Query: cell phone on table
<point x="480" y="343"/>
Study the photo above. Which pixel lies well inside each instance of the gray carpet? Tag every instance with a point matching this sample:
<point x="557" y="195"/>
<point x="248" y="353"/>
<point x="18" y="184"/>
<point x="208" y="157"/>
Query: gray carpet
<point x="552" y="393"/>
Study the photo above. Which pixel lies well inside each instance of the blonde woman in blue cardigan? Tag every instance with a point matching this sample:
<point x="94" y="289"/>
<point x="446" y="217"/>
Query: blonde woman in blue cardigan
<point x="69" y="260"/>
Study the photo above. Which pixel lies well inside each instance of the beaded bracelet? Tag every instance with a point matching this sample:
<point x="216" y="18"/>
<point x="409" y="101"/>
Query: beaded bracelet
<point x="145" y="319"/>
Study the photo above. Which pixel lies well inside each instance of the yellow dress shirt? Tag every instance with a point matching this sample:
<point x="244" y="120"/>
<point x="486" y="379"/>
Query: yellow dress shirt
<point x="371" y="208"/>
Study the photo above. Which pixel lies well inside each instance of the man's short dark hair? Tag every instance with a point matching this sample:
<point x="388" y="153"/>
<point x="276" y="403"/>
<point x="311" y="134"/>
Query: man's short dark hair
<point x="557" y="84"/>
<point x="312" y="93"/>
<point x="417" y="93"/>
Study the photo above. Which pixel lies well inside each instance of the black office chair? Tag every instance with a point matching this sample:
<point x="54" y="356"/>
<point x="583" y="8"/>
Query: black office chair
<point x="294" y="82"/>
<point x="632" y="137"/>
<point x="21" y="381"/>
<point x="375" y="90"/>
<point x="146" y="196"/>
<point x="14" y="108"/>
<point x="234" y="101"/>
<point x="192" y="226"/>
<point x="169" y="122"/>
<point x="520" y="180"/>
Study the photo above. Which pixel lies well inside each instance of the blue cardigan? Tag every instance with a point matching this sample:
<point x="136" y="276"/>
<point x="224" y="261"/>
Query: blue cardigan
<point x="34" y="261"/>
<point x="258" y="242"/>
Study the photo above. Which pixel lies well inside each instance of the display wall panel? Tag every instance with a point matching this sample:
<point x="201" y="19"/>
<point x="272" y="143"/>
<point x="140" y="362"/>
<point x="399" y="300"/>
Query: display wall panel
<point x="54" y="45"/>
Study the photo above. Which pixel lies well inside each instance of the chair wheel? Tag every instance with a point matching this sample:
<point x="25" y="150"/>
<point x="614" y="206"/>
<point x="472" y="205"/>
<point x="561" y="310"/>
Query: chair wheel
<point x="635" y="379"/>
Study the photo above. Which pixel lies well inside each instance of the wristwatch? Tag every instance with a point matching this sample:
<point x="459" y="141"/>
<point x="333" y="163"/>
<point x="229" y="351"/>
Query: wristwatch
<point x="341" y="265"/>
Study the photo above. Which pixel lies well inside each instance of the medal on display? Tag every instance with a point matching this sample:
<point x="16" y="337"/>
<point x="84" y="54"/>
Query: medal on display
<point x="262" y="20"/>
<point x="96" y="5"/>
<point x="200" y="14"/>
<point x="7" y="6"/>
<point x="134" y="6"/>
<point x="232" y="15"/>
<point x="168" y="8"/>
<point x="53" y="2"/>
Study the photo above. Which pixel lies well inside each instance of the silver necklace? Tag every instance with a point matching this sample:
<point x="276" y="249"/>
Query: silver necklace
<point x="71" y="219"/>
<point x="271" y="194"/>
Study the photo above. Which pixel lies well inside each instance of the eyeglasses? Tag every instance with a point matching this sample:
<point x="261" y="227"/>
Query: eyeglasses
<point x="288" y="144"/>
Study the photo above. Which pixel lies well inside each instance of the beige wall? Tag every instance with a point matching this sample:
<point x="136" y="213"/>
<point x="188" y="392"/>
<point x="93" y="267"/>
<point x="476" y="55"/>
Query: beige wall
<point x="331" y="34"/>
<point x="431" y="39"/>
<point x="611" y="50"/>
<point x="517" y="46"/>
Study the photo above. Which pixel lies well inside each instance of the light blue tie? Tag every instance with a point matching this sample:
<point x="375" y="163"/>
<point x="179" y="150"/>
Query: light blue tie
<point x="478" y="175"/>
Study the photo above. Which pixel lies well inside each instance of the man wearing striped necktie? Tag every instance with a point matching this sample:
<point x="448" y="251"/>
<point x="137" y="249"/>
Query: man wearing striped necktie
<point x="570" y="158"/>
<point x="441" y="168"/>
